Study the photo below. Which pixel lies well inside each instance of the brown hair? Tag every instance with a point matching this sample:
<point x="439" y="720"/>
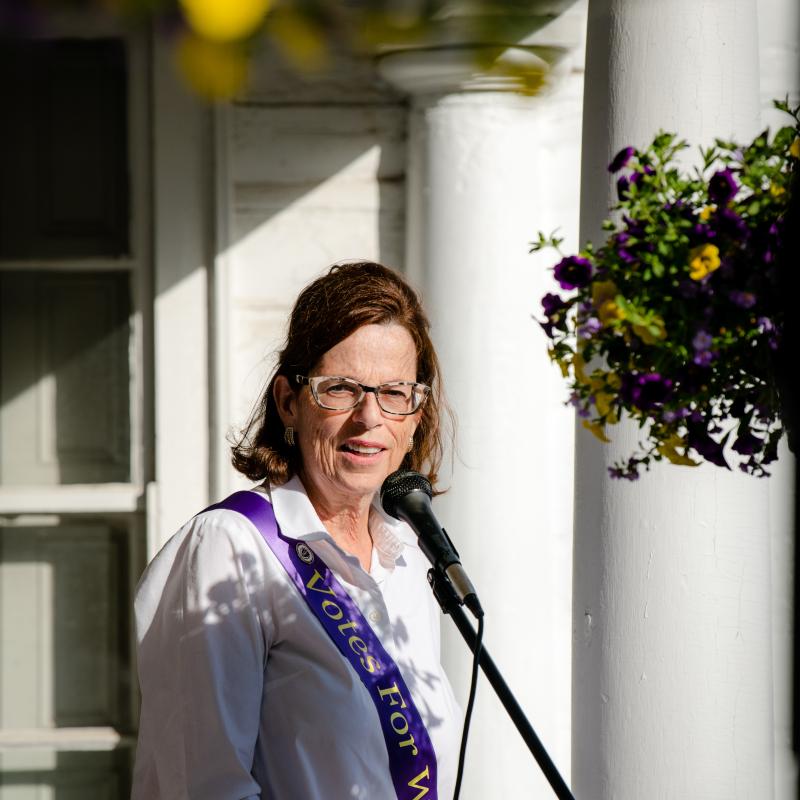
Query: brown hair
<point x="327" y="311"/>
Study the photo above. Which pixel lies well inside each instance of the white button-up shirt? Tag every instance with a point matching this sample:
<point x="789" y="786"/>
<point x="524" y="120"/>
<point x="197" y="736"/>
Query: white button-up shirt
<point x="245" y="696"/>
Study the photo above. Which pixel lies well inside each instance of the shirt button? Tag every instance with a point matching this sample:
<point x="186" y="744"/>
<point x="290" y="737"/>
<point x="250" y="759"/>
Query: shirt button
<point x="374" y="615"/>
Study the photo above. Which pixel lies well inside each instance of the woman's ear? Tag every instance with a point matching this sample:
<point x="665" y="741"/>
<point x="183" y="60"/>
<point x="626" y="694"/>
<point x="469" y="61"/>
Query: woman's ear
<point x="285" y="400"/>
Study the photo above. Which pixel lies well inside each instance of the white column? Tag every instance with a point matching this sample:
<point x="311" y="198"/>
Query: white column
<point x="487" y="169"/>
<point x="181" y="152"/>
<point x="779" y="59"/>
<point x="672" y="680"/>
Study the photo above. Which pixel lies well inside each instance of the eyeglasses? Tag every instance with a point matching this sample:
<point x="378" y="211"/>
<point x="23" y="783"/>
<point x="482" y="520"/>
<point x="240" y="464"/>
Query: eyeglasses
<point x="341" y="394"/>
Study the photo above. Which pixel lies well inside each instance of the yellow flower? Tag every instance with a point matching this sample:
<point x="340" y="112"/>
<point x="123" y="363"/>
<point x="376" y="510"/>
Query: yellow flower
<point x="597" y="429"/>
<point x="215" y="71"/>
<point x="652" y="332"/>
<point x="598" y="383"/>
<point x="669" y="451"/>
<point x="703" y="260"/>
<point x="609" y="311"/>
<point x="603" y="291"/>
<point x="225" y="20"/>
<point x="561" y="363"/>
<point x="775" y="190"/>
<point x="603" y="294"/>
<point x="794" y="148"/>
<point x="602" y="402"/>
<point x="577" y="367"/>
<point x="706" y="212"/>
<point x="301" y="42"/>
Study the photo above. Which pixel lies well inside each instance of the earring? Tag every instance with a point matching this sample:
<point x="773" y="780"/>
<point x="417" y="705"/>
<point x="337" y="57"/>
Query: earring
<point x="410" y="443"/>
<point x="288" y="435"/>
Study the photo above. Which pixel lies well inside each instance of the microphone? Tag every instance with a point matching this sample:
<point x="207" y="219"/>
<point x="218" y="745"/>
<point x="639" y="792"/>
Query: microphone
<point x="406" y="495"/>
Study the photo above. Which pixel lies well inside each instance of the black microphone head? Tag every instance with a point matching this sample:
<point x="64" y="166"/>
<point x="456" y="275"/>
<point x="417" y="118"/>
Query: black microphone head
<point x="399" y="484"/>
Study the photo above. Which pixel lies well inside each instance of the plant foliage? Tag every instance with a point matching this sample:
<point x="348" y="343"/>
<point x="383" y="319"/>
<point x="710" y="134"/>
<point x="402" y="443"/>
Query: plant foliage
<point x="675" y="320"/>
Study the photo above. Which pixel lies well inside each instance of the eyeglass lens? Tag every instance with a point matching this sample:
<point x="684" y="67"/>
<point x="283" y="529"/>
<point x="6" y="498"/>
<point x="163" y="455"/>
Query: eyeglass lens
<point x="394" y="398"/>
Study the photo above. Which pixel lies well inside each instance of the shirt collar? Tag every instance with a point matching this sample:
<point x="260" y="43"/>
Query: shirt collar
<point x="297" y="517"/>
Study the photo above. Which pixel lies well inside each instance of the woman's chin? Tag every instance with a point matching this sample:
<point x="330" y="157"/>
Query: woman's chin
<point x="364" y="474"/>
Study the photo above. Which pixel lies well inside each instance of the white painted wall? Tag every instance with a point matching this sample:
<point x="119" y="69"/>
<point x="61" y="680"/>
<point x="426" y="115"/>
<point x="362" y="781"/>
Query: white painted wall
<point x="303" y="181"/>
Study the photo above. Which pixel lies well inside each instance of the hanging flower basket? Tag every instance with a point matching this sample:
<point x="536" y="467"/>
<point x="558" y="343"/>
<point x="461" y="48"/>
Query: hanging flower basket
<point x="675" y="320"/>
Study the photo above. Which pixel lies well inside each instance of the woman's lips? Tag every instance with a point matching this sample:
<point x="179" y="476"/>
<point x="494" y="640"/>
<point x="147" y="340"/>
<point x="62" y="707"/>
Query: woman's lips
<point x="362" y="450"/>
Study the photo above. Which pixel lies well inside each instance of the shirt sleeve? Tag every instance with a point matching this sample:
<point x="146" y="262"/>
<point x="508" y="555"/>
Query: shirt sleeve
<point x="202" y="661"/>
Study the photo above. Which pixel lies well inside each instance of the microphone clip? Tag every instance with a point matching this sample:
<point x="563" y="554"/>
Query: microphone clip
<point x="443" y="591"/>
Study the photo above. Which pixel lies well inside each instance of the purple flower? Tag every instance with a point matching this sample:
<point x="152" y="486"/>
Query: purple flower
<point x="702" y="340"/>
<point x="582" y="407"/>
<point x="623" y="186"/>
<point x="703" y="232"/>
<point x="731" y="224"/>
<point x="636" y="177"/>
<point x="629" y="473"/>
<point x="573" y="272"/>
<point x="635" y="226"/>
<point x="589" y="328"/>
<point x="703" y="355"/>
<point x="742" y="299"/>
<point x="621" y="159"/>
<point x="746" y="443"/>
<point x="669" y="415"/>
<point x="722" y="186"/>
<point x="703" y="358"/>
<point x="709" y="449"/>
<point x="646" y="390"/>
<point x="552" y="304"/>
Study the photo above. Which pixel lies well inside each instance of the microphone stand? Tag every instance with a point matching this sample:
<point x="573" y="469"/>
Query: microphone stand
<point x="447" y="599"/>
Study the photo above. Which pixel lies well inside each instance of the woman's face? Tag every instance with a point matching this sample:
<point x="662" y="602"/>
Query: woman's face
<point x="346" y="455"/>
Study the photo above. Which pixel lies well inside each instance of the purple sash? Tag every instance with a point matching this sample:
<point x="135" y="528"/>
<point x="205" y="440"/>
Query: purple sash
<point x="412" y="760"/>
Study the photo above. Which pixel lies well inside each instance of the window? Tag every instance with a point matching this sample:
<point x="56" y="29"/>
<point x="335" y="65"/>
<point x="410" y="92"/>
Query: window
<point x="74" y="440"/>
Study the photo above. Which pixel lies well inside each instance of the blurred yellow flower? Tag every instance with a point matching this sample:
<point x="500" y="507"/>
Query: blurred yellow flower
<point x="794" y="148"/>
<point x="224" y="20"/>
<point x="215" y="71"/>
<point x="602" y="402"/>
<point x="703" y="260"/>
<point x="705" y="213"/>
<point x="775" y="190"/>
<point x="597" y="429"/>
<point x="603" y="291"/>
<point x="668" y="449"/>
<point x="577" y="367"/>
<point x="603" y="294"/>
<point x="598" y="383"/>
<point x="301" y="42"/>
<point x="563" y="365"/>
<point x="609" y="311"/>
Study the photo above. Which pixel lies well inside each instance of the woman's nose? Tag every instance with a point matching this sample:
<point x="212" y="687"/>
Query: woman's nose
<point x="368" y="411"/>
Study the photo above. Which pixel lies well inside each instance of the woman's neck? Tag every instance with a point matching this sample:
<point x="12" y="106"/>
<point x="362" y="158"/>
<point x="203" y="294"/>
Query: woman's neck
<point x="347" y="522"/>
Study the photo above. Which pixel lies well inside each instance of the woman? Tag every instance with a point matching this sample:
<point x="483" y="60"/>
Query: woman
<point x="263" y="674"/>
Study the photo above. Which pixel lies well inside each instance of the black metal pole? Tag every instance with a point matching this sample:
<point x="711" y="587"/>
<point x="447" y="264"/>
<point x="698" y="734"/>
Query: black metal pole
<point x="449" y="603"/>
